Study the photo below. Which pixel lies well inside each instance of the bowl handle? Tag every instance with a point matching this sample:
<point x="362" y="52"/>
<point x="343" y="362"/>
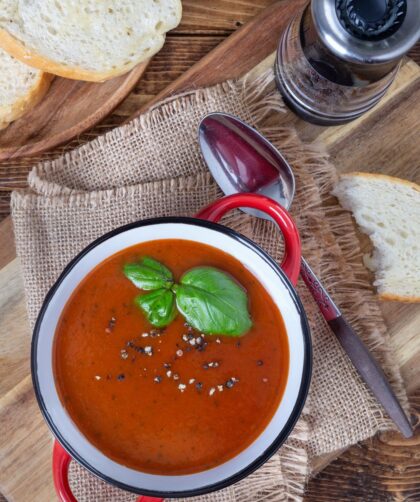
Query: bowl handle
<point x="292" y="246"/>
<point x="61" y="463"/>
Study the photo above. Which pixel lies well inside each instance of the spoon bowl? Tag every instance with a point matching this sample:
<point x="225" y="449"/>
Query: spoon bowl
<point x="242" y="160"/>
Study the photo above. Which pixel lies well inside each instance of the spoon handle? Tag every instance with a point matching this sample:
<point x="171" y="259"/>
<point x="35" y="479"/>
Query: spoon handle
<point x="357" y="351"/>
<point x="324" y="301"/>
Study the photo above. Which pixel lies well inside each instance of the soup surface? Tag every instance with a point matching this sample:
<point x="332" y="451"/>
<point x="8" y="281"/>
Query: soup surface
<point x="167" y="401"/>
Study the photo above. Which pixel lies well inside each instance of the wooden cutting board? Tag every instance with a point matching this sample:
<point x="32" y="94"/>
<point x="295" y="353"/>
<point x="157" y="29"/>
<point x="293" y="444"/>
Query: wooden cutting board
<point x="384" y="140"/>
<point x="69" y="108"/>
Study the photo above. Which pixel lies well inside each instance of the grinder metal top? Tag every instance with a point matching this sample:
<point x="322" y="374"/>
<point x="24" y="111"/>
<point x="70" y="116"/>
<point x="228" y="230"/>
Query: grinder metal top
<point x="367" y="31"/>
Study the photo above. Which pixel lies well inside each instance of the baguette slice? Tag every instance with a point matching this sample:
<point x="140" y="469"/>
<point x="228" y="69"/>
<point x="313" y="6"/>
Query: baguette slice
<point x="388" y="210"/>
<point x="86" y="39"/>
<point x="21" y="88"/>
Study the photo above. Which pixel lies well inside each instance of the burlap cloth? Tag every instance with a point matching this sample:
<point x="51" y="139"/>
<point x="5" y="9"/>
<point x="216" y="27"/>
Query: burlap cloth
<point x="153" y="167"/>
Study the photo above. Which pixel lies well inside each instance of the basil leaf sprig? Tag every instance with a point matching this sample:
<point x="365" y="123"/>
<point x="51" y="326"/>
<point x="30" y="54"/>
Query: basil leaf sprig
<point x="158" y="306"/>
<point x="210" y="300"/>
<point x="149" y="274"/>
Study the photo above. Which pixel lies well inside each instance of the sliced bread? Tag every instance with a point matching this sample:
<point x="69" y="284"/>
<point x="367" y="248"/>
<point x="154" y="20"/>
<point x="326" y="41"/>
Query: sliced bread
<point x="388" y="210"/>
<point x="86" y="39"/>
<point x="21" y="88"/>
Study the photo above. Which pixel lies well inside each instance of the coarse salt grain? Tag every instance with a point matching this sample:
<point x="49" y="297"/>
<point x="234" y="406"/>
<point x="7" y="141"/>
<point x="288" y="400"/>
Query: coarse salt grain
<point x="148" y="350"/>
<point x="97" y="377"/>
<point x="218" y="340"/>
<point x="220" y="388"/>
<point x="179" y="353"/>
<point x="212" y="391"/>
<point x="182" y="387"/>
<point x="169" y="373"/>
<point x="191" y="380"/>
<point x="176" y="376"/>
<point x="145" y="335"/>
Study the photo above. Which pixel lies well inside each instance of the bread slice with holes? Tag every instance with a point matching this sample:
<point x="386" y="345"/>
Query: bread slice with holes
<point x="86" y="39"/>
<point x="388" y="210"/>
<point x="21" y="88"/>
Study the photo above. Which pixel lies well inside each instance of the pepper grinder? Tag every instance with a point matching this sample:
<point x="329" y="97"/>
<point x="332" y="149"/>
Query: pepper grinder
<point x="337" y="58"/>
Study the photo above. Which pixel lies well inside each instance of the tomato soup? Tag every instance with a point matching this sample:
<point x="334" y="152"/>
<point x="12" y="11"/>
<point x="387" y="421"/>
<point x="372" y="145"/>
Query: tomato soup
<point x="167" y="401"/>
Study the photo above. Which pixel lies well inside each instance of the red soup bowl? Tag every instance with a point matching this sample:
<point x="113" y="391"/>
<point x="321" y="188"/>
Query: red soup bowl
<point x="279" y="282"/>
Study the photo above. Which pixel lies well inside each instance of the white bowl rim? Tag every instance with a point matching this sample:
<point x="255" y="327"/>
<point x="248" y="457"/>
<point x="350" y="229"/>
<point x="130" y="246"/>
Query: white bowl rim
<point x="302" y="393"/>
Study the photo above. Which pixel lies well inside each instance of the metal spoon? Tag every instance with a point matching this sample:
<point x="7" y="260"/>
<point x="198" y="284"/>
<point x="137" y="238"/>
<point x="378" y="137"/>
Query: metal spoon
<point x="242" y="160"/>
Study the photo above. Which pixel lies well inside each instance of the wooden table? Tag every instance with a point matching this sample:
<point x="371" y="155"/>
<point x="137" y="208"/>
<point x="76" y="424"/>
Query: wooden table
<point x="383" y="469"/>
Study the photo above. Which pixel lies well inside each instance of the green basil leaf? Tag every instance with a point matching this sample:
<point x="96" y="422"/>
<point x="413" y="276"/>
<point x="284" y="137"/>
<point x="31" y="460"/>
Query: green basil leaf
<point x="212" y="302"/>
<point x="148" y="274"/>
<point x="159" y="307"/>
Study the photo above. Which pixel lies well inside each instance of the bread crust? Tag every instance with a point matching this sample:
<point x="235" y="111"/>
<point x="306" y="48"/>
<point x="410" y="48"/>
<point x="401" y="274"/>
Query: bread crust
<point x="397" y="181"/>
<point x="386" y="177"/>
<point x="396" y="298"/>
<point x="26" y="102"/>
<point x="22" y="53"/>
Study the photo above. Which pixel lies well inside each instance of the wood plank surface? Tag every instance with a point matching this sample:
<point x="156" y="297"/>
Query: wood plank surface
<point x="386" y="468"/>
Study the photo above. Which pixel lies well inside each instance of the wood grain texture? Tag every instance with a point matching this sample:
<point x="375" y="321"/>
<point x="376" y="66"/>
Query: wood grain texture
<point x="7" y="247"/>
<point x="383" y="469"/>
<point x="13" y="349"/>
<point x="27" y="437"/>
<point x="218" y="16"/>
<point x="69" y="108"/>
